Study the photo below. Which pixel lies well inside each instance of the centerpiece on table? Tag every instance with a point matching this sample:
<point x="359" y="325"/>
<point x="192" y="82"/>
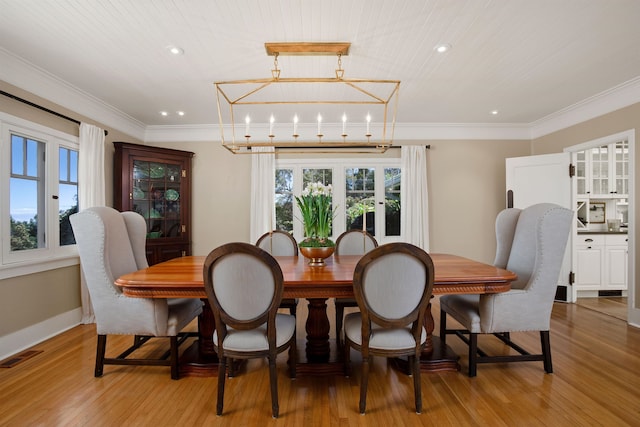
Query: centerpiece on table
<point x="317" y="216"/>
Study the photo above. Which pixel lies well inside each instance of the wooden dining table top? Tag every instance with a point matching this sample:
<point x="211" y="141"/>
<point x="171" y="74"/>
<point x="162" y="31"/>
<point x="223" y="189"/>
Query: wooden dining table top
<point x="183" y="277"/>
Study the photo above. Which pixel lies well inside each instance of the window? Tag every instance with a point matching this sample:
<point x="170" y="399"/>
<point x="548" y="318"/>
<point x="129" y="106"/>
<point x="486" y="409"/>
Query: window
<point x="39" y="176"/>
<point x="366" y="194"/>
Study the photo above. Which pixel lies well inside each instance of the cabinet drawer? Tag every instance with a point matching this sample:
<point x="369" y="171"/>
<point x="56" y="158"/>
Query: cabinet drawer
<point x="590" y="239"/>
<point x="616" y="239"/>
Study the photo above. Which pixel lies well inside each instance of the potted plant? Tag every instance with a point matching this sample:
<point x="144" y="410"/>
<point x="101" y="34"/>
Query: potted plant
<point x="317" y="215"/>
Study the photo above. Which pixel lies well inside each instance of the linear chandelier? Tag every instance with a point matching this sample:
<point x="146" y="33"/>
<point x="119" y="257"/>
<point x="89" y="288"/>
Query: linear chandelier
<point x="307" y="114"/>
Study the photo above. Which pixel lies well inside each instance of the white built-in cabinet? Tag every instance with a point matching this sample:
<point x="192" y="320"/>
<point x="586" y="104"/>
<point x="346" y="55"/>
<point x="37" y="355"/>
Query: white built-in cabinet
<point x="601" y="263"/>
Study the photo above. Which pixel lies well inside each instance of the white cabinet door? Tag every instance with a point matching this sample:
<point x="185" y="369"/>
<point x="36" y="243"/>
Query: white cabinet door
<point x="589" y="267"/>
<point x="616" y="268"/>
<point x="615" y="262"/>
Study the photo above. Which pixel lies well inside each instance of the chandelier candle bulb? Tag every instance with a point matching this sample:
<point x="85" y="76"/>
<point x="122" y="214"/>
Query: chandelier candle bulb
<point x="368" y="134"/>
<point x="344" y="125"/>
<point x="319" y="122"/>
<point x="295" y="125"/>
<point x="271" y="120"/>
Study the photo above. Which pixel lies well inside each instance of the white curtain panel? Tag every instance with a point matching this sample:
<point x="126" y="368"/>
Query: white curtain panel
<point x="415" y="197"/>
<point x="262" y="190"/>
<point x="91" y="190"/>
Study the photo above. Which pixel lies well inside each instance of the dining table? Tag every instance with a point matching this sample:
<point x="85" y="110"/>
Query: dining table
<point x="183" y="278"/>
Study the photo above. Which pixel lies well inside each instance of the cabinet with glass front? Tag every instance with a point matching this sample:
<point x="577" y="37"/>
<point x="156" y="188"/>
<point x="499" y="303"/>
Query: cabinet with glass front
<point x="156" y="183"/>
<point x="603" y="172"/>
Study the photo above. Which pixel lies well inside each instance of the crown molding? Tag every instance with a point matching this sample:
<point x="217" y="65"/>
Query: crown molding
<point x="25" y="75"/>
<point x="623" y="95"/>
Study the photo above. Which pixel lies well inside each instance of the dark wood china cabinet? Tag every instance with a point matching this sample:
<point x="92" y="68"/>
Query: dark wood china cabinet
<point x="156" y="183"/>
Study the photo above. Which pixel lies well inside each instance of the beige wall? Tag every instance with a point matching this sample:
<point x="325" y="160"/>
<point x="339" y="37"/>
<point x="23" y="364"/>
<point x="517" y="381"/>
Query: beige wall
<point x="608" y="124"/>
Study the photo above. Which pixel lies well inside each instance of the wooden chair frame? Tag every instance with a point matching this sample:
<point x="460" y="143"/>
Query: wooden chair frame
<point x="415" y="318"/>
<point x="287" y="303"/>
<point x="224" y="320"/>
<point x="342" y="303"/>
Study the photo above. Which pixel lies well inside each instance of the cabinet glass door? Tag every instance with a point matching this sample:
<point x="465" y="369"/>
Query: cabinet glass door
<point x="622" y="168"/>
<point x="581" y="173"/>
<point x="600" y="170"/>
<point x="156" y="196"/>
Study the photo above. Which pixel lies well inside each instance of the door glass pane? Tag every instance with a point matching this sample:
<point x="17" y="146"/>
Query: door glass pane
<point x="360" y="199"/>
<point x="284" y="199"/>
<point x="392" y="201"/>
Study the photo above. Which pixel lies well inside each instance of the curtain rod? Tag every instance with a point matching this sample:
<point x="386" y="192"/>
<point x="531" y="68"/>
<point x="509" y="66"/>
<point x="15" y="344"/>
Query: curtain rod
<point x="353" y="146"/>
<point x="40" y="107"/>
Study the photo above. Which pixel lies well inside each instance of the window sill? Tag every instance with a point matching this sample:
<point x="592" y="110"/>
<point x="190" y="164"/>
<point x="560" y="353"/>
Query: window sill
<point x="37" y="266"/>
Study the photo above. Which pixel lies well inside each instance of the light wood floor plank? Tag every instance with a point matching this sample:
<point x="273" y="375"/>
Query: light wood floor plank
<point x="595" y="382"/>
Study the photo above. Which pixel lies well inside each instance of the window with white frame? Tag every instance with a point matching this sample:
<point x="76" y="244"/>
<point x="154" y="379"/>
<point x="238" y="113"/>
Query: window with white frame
<point x="366" y="194"/>
<point x="39" y="178"/>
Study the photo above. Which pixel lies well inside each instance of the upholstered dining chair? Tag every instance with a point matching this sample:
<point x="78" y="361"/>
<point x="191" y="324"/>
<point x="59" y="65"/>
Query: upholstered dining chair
<point x="280" y="243"/>
<point x="531" y="243"/>
<point x="110" y="244"/>
<point x="392" y="284"/>
<point x="351" y="242"/>
<point x="244" y="285"/>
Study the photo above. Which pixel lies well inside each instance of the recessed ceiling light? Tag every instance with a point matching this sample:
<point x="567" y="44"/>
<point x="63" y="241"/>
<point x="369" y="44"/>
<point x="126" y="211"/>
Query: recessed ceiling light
<point x="175" y="50"/>
<point x="164" y="113"/>
<point x="442" y="48"/>
<point x="494" y="112"/>
<point x="180" y="113"/>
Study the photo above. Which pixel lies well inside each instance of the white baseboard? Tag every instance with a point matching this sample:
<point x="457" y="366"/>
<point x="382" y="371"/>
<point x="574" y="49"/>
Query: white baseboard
<point x="28" y="337"/>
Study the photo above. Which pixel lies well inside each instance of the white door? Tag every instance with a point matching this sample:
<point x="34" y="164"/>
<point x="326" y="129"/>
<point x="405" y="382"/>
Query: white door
<point x="543" y="179"/>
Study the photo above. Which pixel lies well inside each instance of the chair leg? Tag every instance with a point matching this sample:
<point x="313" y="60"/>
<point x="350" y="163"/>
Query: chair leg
<point x="175" y="371"/>
<point x="546" y="351"/>
<point x="473" y="354"/>
<point x="347" y="358"/>
<point x="273" y="379"/>
<point x="417" y="386"/>
<point x="222" y="371"/>
<point x="366" y="361"/>
<point x="293" y="357"/>
<point x="339" y="317"/>
<point x="100" y="351"/>
<point x="443" y="327"/>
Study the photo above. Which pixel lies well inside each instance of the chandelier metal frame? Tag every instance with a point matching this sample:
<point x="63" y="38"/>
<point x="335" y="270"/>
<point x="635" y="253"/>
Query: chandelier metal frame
<point x="380" y="94"/>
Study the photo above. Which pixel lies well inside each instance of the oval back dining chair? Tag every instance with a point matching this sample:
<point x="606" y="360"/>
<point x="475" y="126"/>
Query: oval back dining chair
<point x="110" y="244"/>
<point x="392" y="284"/>
<point x="244" y="286"/>
<point x="280" y="243"/>
<point x="531" y="243"/>
<point x="351" y="242"/>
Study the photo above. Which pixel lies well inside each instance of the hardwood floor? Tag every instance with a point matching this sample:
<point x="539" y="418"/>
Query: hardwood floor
<point x="612" y="306"/>
<point x="595" y="382"/>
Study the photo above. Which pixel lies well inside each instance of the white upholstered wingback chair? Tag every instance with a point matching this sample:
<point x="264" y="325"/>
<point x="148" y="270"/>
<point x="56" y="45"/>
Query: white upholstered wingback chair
<point x="531" y="243"/>
<point x="351" y="242"/>
<point x="280" y="243"/>
<point x="110" y="244"/>
<point x="244" y="285"/>
<point x="392" y="284"/>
